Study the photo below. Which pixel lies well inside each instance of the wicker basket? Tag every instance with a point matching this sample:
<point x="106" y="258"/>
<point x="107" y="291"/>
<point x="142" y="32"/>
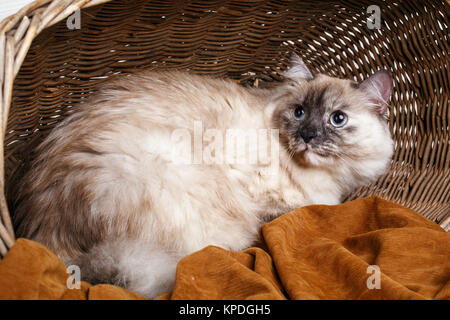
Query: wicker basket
<point x="52" y="55"/>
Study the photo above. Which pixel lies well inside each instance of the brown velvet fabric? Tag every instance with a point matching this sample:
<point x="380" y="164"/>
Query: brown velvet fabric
<point x="316" y="252"/>
<point x="31" y="271"/>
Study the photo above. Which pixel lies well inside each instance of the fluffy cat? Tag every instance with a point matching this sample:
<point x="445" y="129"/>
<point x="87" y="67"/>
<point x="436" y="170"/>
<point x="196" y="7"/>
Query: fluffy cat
<point x="105" y="192"/>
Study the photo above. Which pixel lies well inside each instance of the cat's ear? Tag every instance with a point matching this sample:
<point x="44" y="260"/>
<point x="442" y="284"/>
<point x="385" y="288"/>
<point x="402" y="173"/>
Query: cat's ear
<point x="379" y="88"/>
<point x="298" y="69"/>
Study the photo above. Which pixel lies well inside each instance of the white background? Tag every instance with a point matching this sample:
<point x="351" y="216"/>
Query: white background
<point x="9" y="7"/>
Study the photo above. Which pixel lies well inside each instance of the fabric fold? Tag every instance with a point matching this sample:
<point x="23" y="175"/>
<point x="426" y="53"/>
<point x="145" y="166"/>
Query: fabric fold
<point x="364" y="249"/>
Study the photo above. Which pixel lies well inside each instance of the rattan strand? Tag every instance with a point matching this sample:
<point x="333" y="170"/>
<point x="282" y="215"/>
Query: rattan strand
<point x="46" y="68"/>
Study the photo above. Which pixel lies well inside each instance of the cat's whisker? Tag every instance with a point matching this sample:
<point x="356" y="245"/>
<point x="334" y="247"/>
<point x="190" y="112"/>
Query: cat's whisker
<point x="349" y="164"/>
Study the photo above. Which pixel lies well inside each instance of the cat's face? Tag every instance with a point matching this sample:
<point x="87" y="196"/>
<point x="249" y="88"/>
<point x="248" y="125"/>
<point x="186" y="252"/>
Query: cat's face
<point x="326" y="121"/>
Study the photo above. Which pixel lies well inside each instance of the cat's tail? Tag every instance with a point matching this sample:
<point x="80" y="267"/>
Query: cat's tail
<point x="135" y="265"/>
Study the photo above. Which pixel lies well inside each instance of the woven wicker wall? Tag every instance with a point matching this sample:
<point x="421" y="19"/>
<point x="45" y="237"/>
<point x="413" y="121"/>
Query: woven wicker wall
<point x="248" y="41"/>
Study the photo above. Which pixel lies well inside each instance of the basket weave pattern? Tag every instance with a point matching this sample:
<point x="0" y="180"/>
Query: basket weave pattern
<point x="46" y="67"/>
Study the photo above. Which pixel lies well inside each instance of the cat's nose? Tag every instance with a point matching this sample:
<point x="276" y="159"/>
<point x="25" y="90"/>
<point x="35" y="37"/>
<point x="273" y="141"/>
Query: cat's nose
<point x="308" y="136"/>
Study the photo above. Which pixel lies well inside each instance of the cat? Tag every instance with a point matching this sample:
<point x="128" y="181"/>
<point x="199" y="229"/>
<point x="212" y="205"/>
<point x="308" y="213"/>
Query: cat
<point x="106" y="192"/>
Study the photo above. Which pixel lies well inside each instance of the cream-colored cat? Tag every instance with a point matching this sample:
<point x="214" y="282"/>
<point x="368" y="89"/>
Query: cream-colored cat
<point x="113" y="192"/>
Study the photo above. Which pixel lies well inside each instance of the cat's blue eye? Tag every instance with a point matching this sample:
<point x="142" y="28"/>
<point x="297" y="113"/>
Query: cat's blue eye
<point x="338" y="119"/>
<point x="299" y="113"/>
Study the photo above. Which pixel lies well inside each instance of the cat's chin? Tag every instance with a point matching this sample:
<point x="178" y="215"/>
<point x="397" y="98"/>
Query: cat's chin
<point x="313" y="158"/>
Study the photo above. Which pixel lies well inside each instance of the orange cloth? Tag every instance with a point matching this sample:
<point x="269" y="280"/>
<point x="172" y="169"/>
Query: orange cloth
<point x="30" y="271"/>
<point x="316" y="252"/>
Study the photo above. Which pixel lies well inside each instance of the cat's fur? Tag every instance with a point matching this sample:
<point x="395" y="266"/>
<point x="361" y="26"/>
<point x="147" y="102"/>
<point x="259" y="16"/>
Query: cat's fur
<point x="104" y="192"/>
